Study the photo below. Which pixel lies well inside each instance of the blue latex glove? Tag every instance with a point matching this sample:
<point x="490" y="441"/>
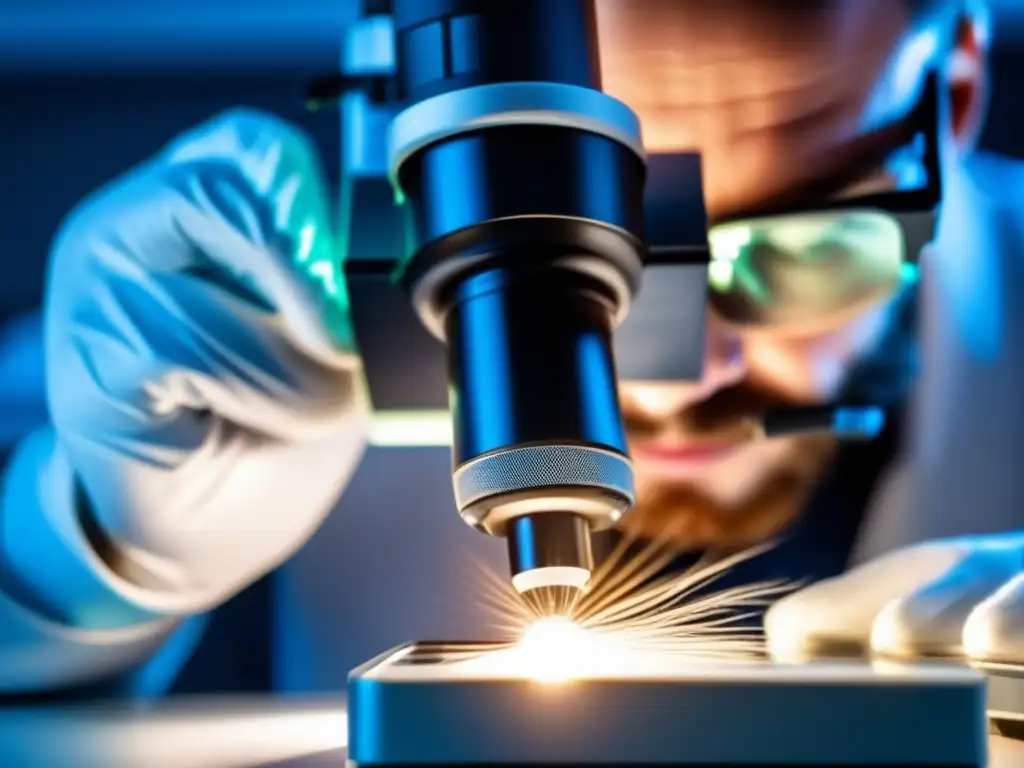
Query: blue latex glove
<point x="958" y="597"/>
<point x="207" y="404"/>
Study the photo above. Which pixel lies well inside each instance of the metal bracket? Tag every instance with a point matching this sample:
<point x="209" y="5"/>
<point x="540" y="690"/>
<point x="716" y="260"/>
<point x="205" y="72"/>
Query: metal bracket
<point x="369" y="48"/>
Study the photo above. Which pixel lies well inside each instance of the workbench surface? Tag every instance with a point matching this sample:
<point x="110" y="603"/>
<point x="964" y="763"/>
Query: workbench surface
<point x="212" y="732"/>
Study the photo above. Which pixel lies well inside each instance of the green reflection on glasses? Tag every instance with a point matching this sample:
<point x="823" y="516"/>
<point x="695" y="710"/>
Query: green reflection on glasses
<point x="795" y="266"/>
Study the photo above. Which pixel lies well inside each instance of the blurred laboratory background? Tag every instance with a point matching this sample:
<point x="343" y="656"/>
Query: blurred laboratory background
<point x="88" y="89"/>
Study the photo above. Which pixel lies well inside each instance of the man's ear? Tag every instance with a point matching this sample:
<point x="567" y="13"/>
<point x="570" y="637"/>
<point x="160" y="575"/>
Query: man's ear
<point x="967" y="79"/>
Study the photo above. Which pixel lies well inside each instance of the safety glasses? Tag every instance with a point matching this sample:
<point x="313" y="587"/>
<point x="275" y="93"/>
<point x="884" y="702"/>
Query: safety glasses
<point x="797" y="265"/>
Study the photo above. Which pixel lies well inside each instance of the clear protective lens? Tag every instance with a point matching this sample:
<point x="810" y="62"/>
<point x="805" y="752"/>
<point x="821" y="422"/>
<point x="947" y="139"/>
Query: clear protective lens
<point x="804" y="267"/>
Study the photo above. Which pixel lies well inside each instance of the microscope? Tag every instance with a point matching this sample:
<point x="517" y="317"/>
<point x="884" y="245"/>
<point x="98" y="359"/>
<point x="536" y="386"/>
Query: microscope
<point x="532" y="217"/>
<point x="522" y="188"/>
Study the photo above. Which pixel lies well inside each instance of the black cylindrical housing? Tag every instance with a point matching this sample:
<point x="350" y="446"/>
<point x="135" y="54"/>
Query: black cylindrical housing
<point x="447" y="45"/>
<point x="530" y="361"/>
<point x="517" y="171"/>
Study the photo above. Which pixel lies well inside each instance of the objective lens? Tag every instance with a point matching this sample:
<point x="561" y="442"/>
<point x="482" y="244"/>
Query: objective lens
<point x="551" y="559"/>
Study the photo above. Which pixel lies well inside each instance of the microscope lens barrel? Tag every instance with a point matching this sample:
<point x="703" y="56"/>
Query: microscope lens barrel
<point x="530" y="359"/>
<point x="450" y="45"/>
<point x="523" y="186"/>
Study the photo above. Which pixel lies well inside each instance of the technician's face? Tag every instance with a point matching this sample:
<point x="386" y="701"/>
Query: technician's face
<point x="769" y="101"/>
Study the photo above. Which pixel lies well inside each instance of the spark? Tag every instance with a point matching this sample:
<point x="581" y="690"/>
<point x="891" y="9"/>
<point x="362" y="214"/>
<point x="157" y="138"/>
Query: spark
<point x="632" y="620"/>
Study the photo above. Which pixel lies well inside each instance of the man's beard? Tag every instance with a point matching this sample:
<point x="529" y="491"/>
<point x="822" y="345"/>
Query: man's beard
<point x="687" y="518"/>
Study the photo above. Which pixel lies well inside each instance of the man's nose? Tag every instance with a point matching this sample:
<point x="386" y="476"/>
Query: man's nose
<point x="724" y="366"/>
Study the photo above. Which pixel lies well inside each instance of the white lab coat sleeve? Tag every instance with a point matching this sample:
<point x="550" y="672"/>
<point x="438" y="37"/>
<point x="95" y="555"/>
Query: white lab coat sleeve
<point x="66" y="619"/>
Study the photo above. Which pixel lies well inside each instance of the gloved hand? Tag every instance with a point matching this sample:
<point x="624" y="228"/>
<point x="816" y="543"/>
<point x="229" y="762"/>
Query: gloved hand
<point x="208" y="407"/>
<point x="951" y="598"/>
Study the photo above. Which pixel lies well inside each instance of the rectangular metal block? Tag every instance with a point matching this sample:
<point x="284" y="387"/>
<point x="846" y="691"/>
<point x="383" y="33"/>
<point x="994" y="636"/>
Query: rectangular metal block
<point x="420" y="705"/>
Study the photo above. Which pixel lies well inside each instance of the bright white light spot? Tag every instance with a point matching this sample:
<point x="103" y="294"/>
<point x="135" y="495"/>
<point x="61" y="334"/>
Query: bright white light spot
<point x="558" y="650"/>
<point x="556" y="634"/>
